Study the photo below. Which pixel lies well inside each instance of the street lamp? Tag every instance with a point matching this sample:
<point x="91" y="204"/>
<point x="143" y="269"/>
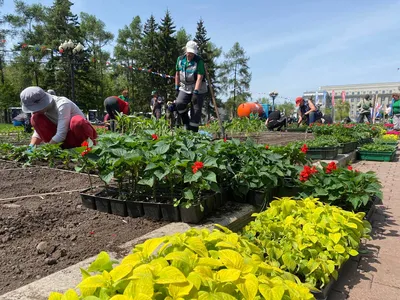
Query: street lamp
<point x="71" y="50"/>
<point x="273" y="95"/>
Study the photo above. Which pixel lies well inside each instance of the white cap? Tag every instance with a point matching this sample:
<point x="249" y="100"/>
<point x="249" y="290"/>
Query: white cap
<point x="191" y="47"/>
<point x="34" y="99"/>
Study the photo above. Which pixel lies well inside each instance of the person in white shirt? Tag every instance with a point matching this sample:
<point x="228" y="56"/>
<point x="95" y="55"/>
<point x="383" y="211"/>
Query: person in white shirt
<point x="55" y="119"/>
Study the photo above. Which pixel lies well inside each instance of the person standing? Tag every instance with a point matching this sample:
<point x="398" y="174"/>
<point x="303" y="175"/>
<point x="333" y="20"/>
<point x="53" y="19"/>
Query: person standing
<point x="190" y="86"/>
<point x="364" y="107"/>
<point x="114" y="105"/>
<point x="395" y="111"/>
<point x="55" y="119"/>
<point x="156" y="104"/>
<point x="308" y="112"/>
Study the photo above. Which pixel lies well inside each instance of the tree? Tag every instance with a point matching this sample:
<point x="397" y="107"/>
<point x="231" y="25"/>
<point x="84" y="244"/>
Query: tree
<point x="182" y="37"/>
<point x="210" y="53"/>
<point x="264" y="100"/>
<point x="287" y="107"/>
<point x="96" y="37"/>
<point x="168" y="53"/>
<point x="235" y="75"/>
<point x="342" y="110"/>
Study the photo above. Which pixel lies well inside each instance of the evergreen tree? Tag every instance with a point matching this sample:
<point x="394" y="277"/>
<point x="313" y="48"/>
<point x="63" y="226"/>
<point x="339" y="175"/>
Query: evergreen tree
<point x="168" y="54"/>
<point x="235" y="75"/>
<point x="182" y="37"/>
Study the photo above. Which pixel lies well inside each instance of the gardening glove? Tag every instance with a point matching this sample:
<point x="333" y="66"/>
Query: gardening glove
<point x="194" y="97"/>
<point x="176" y="91"/>
<point x="30" y="149"/>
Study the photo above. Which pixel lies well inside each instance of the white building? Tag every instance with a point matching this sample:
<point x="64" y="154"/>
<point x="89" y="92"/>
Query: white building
<point x="355" y="92"/>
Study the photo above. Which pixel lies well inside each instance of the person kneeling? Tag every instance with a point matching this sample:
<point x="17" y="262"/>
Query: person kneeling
<point x="274" y="121"/>
<point x="55" y="119"/>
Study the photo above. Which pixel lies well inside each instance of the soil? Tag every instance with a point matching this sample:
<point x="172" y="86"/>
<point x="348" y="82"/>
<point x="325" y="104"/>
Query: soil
<point x="41" y="235"/>
<point x="8" y="165"/>
<point x="29" y="181"/>
<point x="276" y="138"/>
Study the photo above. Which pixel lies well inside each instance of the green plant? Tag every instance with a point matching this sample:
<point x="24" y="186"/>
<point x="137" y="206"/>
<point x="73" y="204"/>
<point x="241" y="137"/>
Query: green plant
<point x="343" y="187"/>
<point x="307" y="238"/>
<point x="197" y="264"/>
<point x="378" y="148"/>
<point x="320" y="142"/>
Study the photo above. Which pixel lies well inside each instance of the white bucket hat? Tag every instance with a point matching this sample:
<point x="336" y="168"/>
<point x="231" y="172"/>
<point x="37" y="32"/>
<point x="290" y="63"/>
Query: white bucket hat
<point x="34" y="99"/>
<point x="191" y="47"/>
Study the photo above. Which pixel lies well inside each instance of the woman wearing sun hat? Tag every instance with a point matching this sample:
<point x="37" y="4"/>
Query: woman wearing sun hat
<point x="190" y="86"/>
<point x="55" y="119"/>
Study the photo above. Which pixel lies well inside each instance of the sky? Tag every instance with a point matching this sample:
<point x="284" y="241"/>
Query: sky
<point x="293" y="46"/>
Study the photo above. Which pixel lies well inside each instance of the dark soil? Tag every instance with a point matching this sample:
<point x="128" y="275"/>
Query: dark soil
<point x="276" y="137"/>
<point x="66" y="231"/>
<point x="29" y="181"/>
<point x="8" y="165"/>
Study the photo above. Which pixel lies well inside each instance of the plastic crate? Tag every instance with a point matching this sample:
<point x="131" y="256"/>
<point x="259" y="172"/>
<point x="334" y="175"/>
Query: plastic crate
<point x="347" y="147"/>
<point x="325" y="153"/>
<point x="376" y="156"/>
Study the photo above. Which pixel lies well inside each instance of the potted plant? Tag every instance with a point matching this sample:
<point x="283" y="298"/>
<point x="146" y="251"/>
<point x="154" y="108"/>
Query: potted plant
<point x="377" y="152"/>
<point x="322" y="147"/>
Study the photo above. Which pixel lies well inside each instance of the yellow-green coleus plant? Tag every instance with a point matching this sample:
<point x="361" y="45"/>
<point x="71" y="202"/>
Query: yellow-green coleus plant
<point x="308" y="238"/>
<point x="197" y="264"/>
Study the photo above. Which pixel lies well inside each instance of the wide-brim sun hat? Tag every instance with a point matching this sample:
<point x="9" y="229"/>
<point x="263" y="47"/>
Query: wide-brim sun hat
<point x="191" y="47"/>
<point x="34" y="99"/>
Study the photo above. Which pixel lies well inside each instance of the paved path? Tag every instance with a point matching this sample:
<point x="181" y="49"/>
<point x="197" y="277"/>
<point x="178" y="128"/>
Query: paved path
<point x="376" y="274"/>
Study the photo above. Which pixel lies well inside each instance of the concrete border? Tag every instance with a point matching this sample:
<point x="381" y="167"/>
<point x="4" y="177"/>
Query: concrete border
<point x="70" y="277"/>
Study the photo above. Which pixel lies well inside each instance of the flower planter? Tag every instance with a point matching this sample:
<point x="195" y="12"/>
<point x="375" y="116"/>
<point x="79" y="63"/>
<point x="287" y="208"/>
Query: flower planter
<point x="135" y="209"/>
<point x="259" y="198"/>
<point x="103" y="204"/>
<point x="88" y="200"/>
<point x="287" y="191"/>
<point x="365" y="141"/>
<point x="193" y="214"/>
<point x="347" y="147"/>
<point x="170" y="212"/>
<point x="325" y="153"/>
<point x="152" y="211"/>
<point x="377" y="156"/>
<point x="118" y="207"/>
<point x="218" y="200"/>
<point x="209" y="204"/>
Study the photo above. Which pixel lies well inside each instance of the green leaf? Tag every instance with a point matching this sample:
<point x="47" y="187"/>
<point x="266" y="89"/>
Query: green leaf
<point x="335" y="237"/>
<point x="107" y="177"/>
<point x="210" y="162"/>
<point x="147" y="181"/>
<point x="190" y="177"/>
<point x="210" y="176"/>
<point x="170" y="275"/>
<point x="188" y="194"/>
<point x="102" y="263"/>
<point x="339" y="249"/>
<point x="162" y="148"/>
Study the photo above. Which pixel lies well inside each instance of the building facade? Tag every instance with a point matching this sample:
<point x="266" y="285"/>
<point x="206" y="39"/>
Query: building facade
<point x="356" y="92"/>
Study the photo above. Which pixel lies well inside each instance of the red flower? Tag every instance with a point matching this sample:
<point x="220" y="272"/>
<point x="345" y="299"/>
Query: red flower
<point x="197" y="166"/>
<point x="304" y="149"/>
<point x="307" y="172"/>
<point x="331" y="167"/>
<point x="350" y="168"/>
<point x="224" y="139"/>
<point x="86" y="151"/>
<point x="154" y="137"/>
<point x="85" y="144"/>
<point x="266" y="147"/>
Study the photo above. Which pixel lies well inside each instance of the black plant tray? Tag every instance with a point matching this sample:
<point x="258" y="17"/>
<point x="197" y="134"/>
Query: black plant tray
<point x="193" y="214"/>
<point x="88" y="200"/>
<point x="347" y="147"/>
<point x="325" y="153"/>
<point x="170" y="212"/>
<point x="152" y="211"/>
<point x="118" y="207"/>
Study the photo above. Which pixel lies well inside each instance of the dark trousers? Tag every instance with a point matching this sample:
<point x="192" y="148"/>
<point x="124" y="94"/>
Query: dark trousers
<point x="111" y="106"/>
<point x="362" y="115"/>
<point x="182" y="106"/>
<point x="276" y="124"/>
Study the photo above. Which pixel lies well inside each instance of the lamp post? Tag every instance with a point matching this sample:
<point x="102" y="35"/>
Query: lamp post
<point x="71" y="50"/>
<point x="273" y="95"/>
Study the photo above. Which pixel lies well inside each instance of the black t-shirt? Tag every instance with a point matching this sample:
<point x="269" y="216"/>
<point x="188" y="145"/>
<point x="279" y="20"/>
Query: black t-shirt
<point x="274" y="116"/>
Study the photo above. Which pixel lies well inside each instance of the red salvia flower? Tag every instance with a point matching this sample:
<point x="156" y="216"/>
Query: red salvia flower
<point x="350" y="168"/>
<point x="304" y="149"/>
<point x="266" y="147"/>
<point x="197" y="166"/>
<point x="154" y="137"/>
<point x="85" y="144"/>
<point x="224" y="139"/>
<point x="331" y="167"/>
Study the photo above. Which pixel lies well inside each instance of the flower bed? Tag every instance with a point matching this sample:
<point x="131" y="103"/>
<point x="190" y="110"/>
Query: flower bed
<point x="290" y="249"/>
<point x="377" y="152"/>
